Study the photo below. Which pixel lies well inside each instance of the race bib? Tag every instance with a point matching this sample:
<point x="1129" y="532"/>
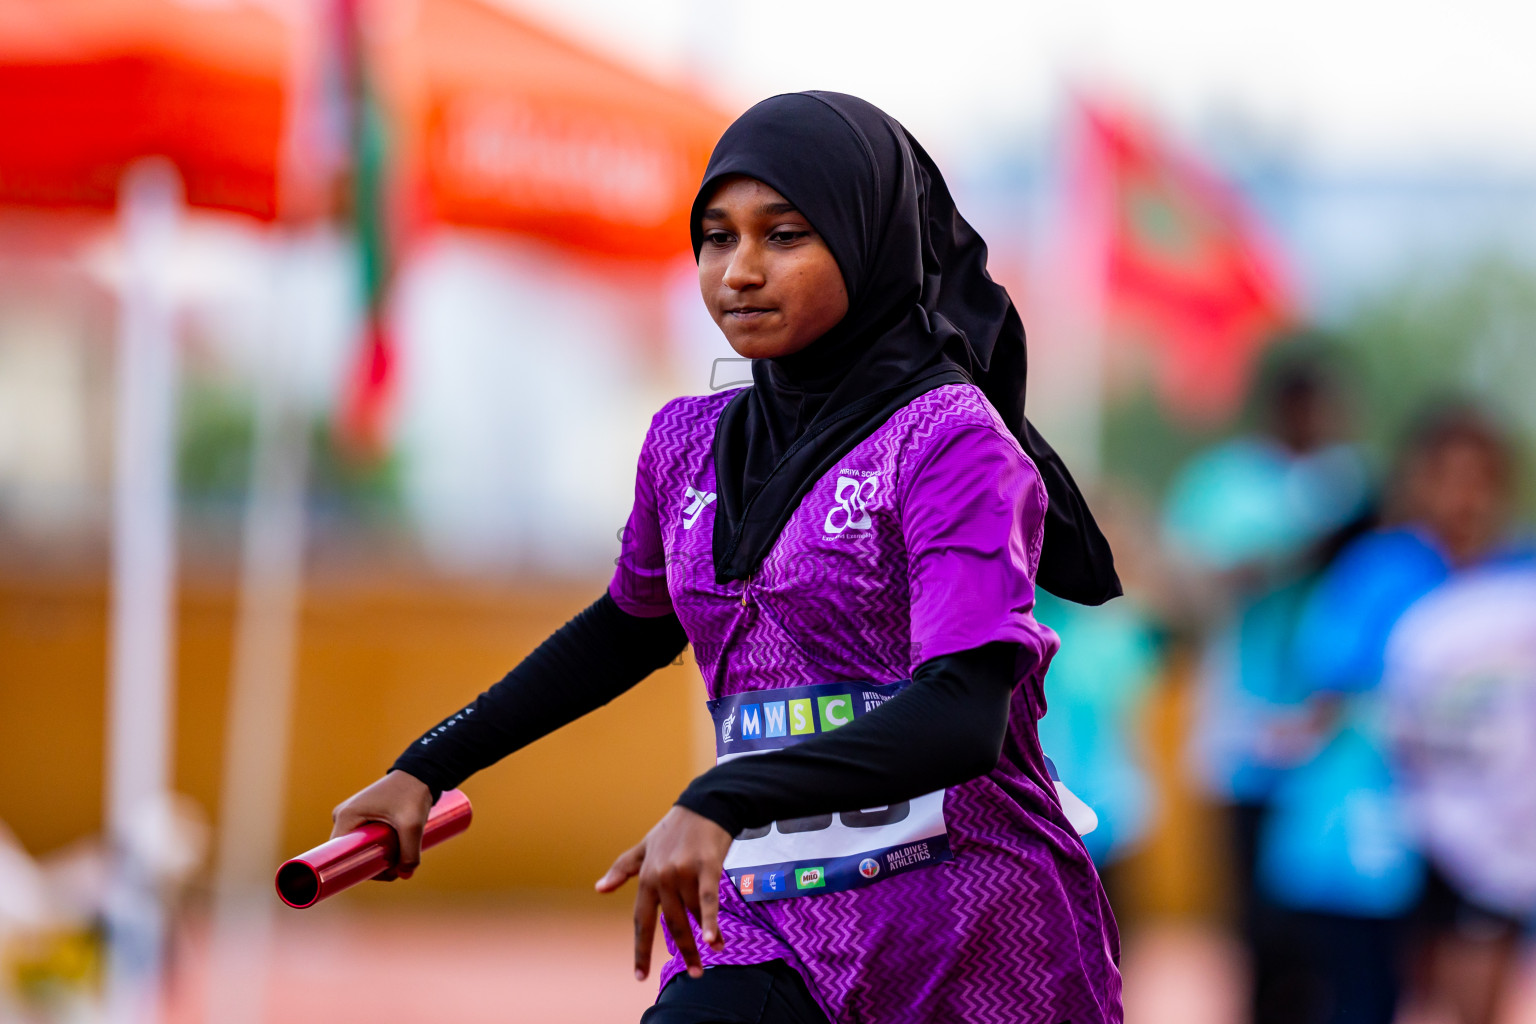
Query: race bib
<point x="827" y="852"/>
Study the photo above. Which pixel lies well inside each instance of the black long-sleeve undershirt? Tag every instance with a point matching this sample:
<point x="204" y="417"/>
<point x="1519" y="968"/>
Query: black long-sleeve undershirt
<point x="946" y="727"/>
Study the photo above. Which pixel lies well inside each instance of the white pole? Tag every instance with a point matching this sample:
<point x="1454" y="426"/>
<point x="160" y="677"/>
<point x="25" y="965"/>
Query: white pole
<point x="259" y="707"/>
<point x="143" y="570"/>
<point x="261" y="685"/>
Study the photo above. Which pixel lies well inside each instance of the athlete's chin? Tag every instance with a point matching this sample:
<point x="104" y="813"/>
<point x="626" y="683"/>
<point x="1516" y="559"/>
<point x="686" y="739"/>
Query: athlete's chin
<point x="761" y="344"/>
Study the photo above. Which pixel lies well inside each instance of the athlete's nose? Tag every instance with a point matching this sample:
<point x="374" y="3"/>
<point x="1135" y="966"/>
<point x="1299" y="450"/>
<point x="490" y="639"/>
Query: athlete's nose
<point x="745" y="270"/>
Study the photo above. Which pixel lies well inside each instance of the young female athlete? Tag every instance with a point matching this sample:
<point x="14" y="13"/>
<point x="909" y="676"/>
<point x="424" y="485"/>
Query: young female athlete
<point x="851" y="545"/>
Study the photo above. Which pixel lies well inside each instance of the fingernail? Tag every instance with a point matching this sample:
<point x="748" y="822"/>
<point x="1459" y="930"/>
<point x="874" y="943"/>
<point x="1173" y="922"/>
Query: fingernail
<point x="639" y="974"/>
<point x="695" y="972"/>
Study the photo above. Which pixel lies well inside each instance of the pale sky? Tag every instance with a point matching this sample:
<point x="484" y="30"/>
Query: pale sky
<point x="1352" y="81"/>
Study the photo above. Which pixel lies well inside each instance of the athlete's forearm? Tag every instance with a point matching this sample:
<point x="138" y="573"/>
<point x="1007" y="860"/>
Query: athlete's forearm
<point x="944" y="729"/>
<point x="586" y="663"/>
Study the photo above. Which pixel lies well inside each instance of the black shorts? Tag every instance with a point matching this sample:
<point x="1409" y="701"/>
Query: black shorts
<point x="770" y="993"/>
<point x="1445" y="910"/>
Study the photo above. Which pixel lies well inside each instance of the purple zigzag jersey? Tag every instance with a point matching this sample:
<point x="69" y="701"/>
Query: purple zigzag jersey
<point x="922" y="541"/>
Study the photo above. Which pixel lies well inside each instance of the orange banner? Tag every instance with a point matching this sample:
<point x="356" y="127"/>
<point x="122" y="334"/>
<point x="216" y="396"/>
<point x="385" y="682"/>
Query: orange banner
<point x="501" y="124"/>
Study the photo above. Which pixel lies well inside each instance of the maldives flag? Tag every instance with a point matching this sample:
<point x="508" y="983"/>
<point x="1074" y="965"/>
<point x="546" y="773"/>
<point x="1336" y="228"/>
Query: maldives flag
<point x="368" y="399"/>
<point x="1187" y="274"/>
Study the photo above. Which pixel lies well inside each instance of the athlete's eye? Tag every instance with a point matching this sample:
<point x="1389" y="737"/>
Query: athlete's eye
<point x="788" y="235"/>
<point x="717" y="238"/>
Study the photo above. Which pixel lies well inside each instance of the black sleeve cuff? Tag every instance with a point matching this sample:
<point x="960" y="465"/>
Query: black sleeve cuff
<point x="717" y="807"/>
<point x="422" y="774"/>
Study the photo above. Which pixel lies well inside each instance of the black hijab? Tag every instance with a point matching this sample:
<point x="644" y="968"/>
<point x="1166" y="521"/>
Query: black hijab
<point x="922" y="312"/>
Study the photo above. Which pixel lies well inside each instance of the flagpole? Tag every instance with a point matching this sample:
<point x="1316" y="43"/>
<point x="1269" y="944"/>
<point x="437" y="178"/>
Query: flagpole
<point x="1072" y="362"/>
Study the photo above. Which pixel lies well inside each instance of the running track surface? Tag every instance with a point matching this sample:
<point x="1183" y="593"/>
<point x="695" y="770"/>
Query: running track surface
<point x="570" y="966"/>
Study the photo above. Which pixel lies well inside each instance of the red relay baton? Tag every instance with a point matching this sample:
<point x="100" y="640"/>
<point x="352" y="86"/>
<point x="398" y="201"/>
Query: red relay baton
<point x="363" y="853"/>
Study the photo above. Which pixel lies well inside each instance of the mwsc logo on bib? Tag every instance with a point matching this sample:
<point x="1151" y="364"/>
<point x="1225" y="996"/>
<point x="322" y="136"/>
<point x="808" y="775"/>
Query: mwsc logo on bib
<point x="775" y="719"/>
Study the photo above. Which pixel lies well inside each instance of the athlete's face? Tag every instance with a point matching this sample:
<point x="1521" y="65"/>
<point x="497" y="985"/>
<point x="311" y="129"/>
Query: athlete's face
<point x="768" y="278"/>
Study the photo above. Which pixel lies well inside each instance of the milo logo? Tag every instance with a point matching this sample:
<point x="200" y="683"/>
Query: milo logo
<point x="810" y="878"/>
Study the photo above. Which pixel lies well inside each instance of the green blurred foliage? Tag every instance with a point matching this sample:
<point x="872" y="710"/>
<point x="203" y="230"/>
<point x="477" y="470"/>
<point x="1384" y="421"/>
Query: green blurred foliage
<point x="1145" y="446"/>
<point x="217" y="427"/>
<point x="1467" y="337"/>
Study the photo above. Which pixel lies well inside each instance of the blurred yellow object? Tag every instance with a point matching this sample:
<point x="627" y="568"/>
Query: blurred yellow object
<point x="56" y="965"/>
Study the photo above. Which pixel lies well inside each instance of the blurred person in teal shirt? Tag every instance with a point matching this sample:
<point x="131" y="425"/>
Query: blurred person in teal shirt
<point x="1252" y="520"/>
<point x="1336" y="846"/>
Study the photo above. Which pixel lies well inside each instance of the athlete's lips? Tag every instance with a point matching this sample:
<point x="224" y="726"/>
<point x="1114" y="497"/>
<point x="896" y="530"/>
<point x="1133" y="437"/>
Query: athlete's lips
<point x="750" y="312"/>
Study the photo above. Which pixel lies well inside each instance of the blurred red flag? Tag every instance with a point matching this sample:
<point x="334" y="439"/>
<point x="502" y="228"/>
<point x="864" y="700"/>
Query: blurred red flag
<point x="1187" y="271"/>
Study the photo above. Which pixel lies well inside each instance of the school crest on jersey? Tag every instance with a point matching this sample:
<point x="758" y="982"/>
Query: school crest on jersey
<point x="850" y="503"/>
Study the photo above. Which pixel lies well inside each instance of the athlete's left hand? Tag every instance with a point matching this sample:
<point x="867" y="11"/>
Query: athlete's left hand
<point x="679" y="863"/>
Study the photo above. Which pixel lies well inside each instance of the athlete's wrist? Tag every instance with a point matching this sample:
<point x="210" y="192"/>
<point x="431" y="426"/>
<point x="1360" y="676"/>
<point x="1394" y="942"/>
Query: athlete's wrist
<point x="715" y="806"/>
<point x="426" y="778"/>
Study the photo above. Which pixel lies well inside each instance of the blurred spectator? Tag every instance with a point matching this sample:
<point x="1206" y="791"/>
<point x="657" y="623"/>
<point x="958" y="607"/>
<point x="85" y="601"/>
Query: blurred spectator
<point x="1097" y="695"/>
<point x="1336" y="846"/>
<point x="1460" y="693"/>
<point x="1252" y="519"/>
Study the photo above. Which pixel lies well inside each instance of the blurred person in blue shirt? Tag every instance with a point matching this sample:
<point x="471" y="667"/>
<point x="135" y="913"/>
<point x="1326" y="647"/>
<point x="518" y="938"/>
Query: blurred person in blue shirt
<point x="1336" y="846"/>
<point x="1252" y="520"/>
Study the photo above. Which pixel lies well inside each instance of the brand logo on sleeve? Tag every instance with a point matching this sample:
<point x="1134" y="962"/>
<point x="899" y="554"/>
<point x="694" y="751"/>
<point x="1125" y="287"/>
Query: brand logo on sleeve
<point x="775" y="719"/>
<point x="751" y="722"/>
<point x="810" y="878"/>
<point x="851" y="511"/>
<point x="745" y="885"/>
<point x="773" y="882"/>
<point x="836" y="711"/>
<point x="697" y="501"/>
<point x="868" y="867"/>
<point x="725" y="726"/>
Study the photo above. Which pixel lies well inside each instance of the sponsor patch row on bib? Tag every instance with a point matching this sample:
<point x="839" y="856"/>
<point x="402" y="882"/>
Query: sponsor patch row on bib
<point x="778" y="881"/>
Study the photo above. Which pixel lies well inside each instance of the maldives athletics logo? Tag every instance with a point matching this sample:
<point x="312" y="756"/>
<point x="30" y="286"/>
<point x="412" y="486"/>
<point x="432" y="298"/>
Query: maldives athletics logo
<point x="852" y="509"/>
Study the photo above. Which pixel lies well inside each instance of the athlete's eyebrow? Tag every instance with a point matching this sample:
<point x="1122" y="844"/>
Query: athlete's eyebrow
<point x="766" y="210"/>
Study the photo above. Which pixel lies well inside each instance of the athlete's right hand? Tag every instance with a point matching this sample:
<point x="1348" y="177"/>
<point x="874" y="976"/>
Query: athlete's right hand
<point x="678" y="863"/>
<point x="398" y="800"/>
